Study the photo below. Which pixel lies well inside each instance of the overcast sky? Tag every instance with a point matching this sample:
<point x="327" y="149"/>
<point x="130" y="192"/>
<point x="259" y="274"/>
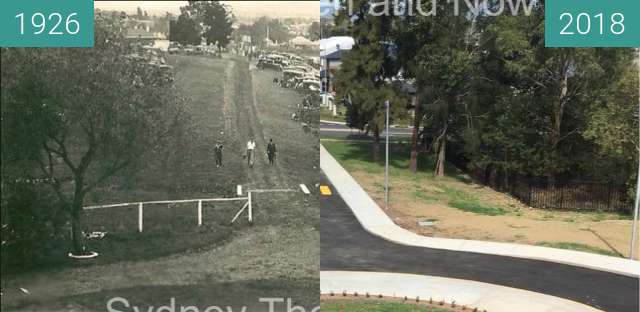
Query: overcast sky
<point x="250" y="9"/>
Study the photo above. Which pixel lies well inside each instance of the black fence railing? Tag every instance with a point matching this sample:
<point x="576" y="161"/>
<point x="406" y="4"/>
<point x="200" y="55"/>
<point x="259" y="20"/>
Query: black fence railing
<point x="561" y="195"/>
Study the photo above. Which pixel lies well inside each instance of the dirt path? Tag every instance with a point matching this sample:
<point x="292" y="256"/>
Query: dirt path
<point x="249" y="124"/>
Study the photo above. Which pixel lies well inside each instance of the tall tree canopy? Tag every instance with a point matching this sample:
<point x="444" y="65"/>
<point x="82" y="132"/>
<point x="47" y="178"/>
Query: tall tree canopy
<point x="313" y="32"/>
<point x="184" y="30"/>
<point x="440" y="53"/>
<point x="533" y="103"/>
<point x="363" y="78"/>
<point x="210" y="20"/>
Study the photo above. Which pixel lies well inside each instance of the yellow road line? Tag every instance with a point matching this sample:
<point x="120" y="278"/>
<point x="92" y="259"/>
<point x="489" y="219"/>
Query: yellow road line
<point x="325" y="190"/>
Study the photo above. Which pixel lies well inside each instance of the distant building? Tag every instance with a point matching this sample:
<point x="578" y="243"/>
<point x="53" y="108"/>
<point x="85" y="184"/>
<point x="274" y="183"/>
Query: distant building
<point x="331" y="50"/>
<point x="302" y="43"/>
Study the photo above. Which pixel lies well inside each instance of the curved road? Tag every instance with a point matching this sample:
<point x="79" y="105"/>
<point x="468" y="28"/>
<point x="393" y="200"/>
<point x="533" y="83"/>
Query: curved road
<point x="346" y="246"/>
<point x="333" y="130"/>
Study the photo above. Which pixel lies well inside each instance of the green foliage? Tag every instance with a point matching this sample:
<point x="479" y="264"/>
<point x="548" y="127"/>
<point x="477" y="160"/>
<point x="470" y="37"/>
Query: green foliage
<point x="532" y="108"/>
<point x="331" y="29"/>
<point x="440" y="53"/>
<point x="362" y="80"/>
<point x="613" y="123"/>
<point x="355" y="156"/>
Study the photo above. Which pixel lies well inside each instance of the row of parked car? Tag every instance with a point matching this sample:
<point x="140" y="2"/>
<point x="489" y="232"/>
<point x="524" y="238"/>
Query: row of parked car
<point x="297" y="72"/>
<point x="176" y="48"/>
<point x="154" y="58"/>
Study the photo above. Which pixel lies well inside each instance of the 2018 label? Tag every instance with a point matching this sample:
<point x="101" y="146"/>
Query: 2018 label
<point x="583" y="21"/>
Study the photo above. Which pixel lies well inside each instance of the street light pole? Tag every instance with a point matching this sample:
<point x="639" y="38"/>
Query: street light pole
<point x="386" y="160"/>
<point x="634" y="231"/>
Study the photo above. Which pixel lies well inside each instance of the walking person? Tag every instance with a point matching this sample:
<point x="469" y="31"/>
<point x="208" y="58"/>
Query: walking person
<point x="217" y="149"/>
<point x="271" y="151"/>
<point x="251" y="146"/>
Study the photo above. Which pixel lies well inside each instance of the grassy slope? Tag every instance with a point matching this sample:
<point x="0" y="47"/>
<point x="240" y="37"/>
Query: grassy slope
<point x="172" y="251"/>
<point x="444" y="191"/>
<point x="325" y="114"/>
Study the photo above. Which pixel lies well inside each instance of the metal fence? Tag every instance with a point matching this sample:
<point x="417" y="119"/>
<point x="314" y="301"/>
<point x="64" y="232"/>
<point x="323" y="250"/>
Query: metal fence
<point x="561" y="195"/>
<point x="576" y="196"/>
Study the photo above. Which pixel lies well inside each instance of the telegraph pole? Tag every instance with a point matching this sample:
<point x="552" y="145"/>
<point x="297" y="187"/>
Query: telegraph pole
<point x="386" y="160"/>
<point x="634" y="231"/>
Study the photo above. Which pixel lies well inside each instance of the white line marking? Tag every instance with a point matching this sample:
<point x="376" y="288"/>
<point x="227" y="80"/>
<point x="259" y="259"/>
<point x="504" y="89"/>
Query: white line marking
<point x="304" y="189"/>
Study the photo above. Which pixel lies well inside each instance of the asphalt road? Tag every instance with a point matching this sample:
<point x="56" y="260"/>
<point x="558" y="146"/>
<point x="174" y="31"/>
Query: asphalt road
<point x="347" y="246"/>
<point x="332" y="130"/>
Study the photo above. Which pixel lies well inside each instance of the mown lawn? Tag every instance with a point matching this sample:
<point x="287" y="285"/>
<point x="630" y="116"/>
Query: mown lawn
<point x="326" y="114"/>
<point x="443" y="190"/>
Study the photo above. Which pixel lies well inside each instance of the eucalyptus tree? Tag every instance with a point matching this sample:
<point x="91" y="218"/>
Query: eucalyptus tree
<point x="440" y="52"/>
<point x="363" y="80"/>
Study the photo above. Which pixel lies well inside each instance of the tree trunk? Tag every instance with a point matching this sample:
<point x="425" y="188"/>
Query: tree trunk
<point x="376" y="144"/>
<point x="506" y="170"/>
<point x="441" y="152"/>
<point x="413" y="160"/>
<point x="487" y="174"/>
<point x="76" y="215"/>
<point x="76" y="230"/>
<point x="558" y="112"/>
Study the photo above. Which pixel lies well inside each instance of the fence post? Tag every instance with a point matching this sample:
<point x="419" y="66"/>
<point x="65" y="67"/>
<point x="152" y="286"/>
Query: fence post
<point x="250" y="209"/>
<point x="199" y="213"/>
<point x="555" y="185"/>
<point x="140" y="217"/>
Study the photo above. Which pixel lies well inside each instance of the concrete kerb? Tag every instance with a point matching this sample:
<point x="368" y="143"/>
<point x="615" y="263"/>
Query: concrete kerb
<point x="467" y="293"/>
<point x="376" y="222"/>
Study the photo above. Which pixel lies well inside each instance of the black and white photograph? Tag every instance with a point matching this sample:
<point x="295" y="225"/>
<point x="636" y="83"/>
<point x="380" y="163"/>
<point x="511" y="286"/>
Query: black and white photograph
<point x="173" y="166"/>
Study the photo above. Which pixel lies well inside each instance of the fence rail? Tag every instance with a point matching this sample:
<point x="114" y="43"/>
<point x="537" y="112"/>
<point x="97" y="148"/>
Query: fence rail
<point x="248" y="204"/>
<point x="179" y="201"/>
<point x="167" y="202"/>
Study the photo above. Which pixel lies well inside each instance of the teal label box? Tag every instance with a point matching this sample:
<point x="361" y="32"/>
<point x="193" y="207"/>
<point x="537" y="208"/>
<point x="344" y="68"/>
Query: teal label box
<point x="46" y="23"/>
<point x="592" y="23"/>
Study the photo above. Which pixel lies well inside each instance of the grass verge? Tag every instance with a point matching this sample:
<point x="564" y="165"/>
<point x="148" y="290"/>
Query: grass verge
<point x="579" y="247"/>
<point x="326" y="114"/>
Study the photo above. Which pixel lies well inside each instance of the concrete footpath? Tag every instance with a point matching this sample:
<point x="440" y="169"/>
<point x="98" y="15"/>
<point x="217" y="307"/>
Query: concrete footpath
<point x="376" y="222"/>
<point x="467" y="293"/>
